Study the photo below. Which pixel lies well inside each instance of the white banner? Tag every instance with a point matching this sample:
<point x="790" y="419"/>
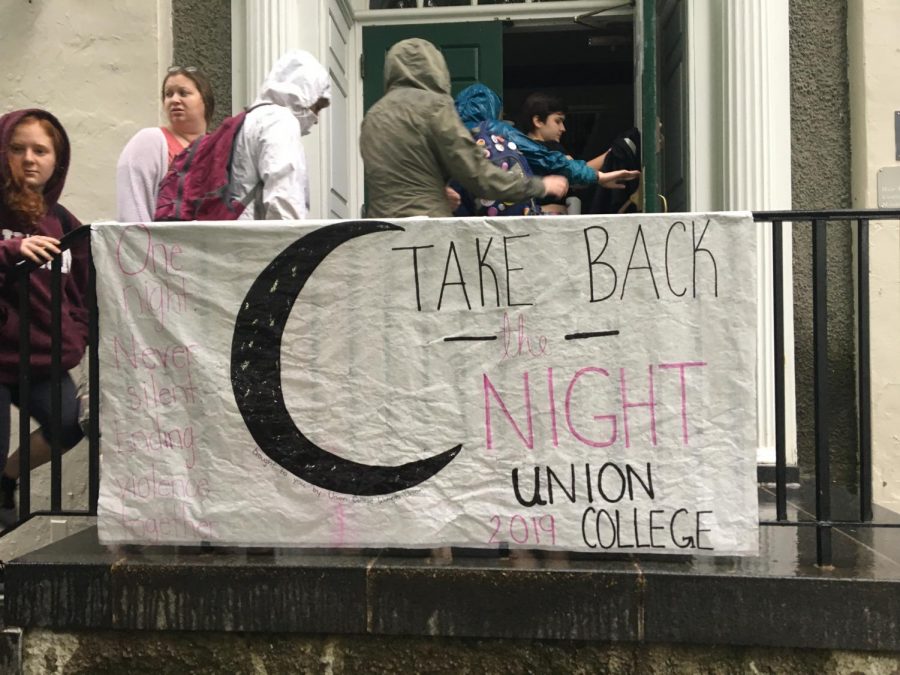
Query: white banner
<point x="583" y="383"/>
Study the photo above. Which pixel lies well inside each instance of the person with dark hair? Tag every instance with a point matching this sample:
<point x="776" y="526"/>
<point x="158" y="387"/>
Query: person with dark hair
<point x="478" y="105"/>
<point x="34" y="160"/>
<point x="413" y="142"/>
<point x="543" y="118"/>
<point x="543" y="115"/>
<point x="188" y="101"/>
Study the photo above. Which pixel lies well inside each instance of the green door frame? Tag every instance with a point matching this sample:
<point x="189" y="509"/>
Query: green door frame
<point x="473" y="50"/>
<point x="379" y="39"/>
<point x="646" y="21"/>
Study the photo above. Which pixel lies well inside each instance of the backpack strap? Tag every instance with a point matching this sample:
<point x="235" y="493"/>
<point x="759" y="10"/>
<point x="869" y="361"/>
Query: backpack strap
<point x="251" y="196"/>
<point x="258" y="105"/>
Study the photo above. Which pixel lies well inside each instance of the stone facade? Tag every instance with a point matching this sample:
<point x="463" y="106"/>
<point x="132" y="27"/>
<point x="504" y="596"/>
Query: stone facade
<point x="47" y="652"/>
<point x="201" y="36"/>
<point x="820" y="171"/>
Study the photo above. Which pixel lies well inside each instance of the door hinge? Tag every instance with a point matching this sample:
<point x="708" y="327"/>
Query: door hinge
<point x="362" y="67"/>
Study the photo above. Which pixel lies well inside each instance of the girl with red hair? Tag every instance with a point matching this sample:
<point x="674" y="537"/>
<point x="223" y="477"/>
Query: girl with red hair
<point x="34" y="160"/>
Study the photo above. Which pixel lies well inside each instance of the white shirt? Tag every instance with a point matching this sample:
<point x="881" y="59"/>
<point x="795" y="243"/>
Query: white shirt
<point x="141" y="166"/>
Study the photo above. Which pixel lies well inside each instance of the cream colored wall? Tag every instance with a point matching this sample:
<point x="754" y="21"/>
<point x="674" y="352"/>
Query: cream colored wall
<point x="96" y="66"/>
<point x="873" y="27"/>
<point x="874" y="51"/>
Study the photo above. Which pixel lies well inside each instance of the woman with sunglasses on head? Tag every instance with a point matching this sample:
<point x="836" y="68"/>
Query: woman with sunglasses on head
<point x="34" y="160"/>
<point x="188" y="101"/>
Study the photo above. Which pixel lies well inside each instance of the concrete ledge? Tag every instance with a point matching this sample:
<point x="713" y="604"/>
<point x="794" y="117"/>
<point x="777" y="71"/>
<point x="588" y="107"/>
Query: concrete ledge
<point x="77" y="584"/>
<point x="497" y="600"/>
<point x="778" y="612"/>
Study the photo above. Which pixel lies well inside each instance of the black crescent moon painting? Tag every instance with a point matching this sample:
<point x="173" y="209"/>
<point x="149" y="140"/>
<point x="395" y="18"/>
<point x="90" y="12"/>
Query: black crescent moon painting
<point x="256" y="375"/>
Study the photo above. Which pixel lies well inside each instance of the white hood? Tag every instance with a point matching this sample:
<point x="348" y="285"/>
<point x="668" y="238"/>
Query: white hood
<point x="296" y="82"/>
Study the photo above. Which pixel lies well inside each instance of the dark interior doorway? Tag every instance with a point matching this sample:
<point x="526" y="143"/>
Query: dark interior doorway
<point x="592" y="69"/>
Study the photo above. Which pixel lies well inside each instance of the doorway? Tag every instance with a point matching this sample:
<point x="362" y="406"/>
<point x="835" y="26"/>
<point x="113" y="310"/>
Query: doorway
<point x="591" y="67"/>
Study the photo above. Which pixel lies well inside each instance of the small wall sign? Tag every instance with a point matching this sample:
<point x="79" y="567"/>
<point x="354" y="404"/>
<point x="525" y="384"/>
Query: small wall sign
<point x="889" y="187"/>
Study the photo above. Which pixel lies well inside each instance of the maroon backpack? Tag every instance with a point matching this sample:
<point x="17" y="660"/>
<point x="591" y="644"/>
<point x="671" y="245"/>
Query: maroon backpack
<point x="198" y="184"/>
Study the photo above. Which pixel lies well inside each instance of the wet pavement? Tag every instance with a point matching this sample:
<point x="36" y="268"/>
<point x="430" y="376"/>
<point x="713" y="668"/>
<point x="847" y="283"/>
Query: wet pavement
<point x="790" y="550"/>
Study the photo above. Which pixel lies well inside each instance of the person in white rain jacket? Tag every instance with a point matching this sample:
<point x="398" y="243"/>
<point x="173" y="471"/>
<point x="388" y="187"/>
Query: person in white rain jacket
<point x="268" y="155"/>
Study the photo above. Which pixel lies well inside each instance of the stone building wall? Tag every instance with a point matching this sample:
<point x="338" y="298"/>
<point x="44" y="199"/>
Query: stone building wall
<point x="201" y="37"/>
<point x="47" y="653"/>
<point x="820" y="175"/>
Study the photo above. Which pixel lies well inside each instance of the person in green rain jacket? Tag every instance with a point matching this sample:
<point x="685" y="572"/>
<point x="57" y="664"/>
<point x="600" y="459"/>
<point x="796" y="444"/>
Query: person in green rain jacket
<point x="412" y="143"/>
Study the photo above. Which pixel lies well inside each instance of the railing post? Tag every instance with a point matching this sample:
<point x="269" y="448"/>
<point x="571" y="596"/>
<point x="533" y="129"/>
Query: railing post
<point x="24" y="282"/>
<point x="93" y="389"/>
<point x="864" y="381"/>
<point x="778" y="324"/>
<point x="53" y="428"/>
<point x="820" y="357"/>
<point x="56" y="384"/>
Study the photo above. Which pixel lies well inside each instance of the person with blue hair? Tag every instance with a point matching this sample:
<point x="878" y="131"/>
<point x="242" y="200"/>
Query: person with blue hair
<point x="479" y="106"/>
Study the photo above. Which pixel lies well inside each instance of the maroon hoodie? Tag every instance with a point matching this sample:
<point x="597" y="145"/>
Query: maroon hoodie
<point x="12" y="230"/>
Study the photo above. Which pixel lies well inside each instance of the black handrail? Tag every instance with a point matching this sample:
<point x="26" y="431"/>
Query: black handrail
<point x="22" y="275"/>
<point x="826" y="215"/>
<point x="24" y="285"/>
<point x="864" y="381"/>
<point x="93" y="389"/>
<point x="820" y="390"/>
<point x="778" y="311"/>
<point x="823" y="521"/>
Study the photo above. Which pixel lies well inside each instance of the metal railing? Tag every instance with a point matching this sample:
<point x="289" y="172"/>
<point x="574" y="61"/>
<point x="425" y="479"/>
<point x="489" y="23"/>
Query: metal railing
<point x="23" y="280"/>
<point x="823" y="521"/>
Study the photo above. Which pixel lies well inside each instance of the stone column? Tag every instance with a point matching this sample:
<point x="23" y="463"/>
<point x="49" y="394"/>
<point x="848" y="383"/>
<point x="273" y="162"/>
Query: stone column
<point x="757" y="104"/>
<point x="271" y="28"/>
<point x="757" y="169"/>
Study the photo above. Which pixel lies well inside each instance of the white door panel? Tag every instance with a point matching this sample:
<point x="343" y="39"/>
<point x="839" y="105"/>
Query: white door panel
<point x="338" y="61"/>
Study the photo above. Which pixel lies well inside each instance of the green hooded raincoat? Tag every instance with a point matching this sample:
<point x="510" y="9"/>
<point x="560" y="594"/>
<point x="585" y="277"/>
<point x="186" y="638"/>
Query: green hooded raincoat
<point x="413" y="142"/>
